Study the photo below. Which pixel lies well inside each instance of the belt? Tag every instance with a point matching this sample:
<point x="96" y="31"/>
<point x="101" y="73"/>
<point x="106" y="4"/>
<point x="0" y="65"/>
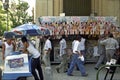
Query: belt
<point x="75" y="53"/>
<point x="45" y="50"/>
<point x="36" y="58"/>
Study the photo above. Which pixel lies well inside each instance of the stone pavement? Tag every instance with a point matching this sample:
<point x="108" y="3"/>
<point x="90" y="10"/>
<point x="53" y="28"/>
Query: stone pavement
<point x="77" y="76"/>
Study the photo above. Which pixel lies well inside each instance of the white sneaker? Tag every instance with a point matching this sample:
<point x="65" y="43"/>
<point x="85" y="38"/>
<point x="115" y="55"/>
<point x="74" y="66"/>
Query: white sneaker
<point x="108" y="63"/>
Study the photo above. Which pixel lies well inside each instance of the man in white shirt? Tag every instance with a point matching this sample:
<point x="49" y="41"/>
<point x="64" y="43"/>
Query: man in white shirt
<point x="63" y="55"/>
<point x="37" y="44"/>
<point x="75" y="60"/>
<point x="82" y="46"/>
<point x="35" y="62"/>
<point x="47" y="50"/>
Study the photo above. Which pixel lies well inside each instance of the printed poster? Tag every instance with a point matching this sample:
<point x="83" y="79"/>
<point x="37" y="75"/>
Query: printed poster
<point x="16" y="64"/>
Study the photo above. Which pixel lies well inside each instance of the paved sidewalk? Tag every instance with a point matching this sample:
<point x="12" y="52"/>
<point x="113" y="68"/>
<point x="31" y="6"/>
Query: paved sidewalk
<point x="77" y="76"/>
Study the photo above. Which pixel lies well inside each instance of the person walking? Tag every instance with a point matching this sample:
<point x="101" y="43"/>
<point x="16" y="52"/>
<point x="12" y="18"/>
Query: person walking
<point x="46" y="58"/>
<point x="35" y="64"/>
<point x="111" y="46"/>
<point x="82" y="45"/>
<point x="101" y="52"/>
<point x="63" y="55"/>
<point x="47" y="49"/>
<point x="75" y="60"/>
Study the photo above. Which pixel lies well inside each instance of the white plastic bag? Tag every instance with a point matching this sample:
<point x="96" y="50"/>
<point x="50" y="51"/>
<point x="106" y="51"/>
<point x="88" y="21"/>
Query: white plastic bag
<point x="108" y="63"/>
<point x="113" y="61"/>
<point x="81" y="57"/>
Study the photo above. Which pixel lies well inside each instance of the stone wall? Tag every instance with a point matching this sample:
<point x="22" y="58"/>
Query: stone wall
<point x="100" y="7"/>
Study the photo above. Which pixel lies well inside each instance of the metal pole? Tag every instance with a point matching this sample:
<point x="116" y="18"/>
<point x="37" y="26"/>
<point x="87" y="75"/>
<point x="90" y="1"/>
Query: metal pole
<point x="7" y="22"/>
<point x="94" y="7"/>
<point x="47" y="7"/>
<point x="119" y="14"/>
<point x="59" y="8"/>
<point x="6" y="6"/>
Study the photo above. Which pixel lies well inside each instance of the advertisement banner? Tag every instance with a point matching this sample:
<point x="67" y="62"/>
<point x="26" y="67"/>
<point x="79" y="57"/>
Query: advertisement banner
<point x="85" y="25"/>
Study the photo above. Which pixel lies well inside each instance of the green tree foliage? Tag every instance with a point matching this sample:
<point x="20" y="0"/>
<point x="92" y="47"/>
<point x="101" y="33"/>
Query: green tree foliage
<point x="18" y="13"/>
<point x="2" y="19"/>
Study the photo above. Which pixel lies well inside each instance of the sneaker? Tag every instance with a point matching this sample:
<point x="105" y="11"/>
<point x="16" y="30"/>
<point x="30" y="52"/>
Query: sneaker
<point x="70" y="74"/>
<point x="65" y="71"/>
<point x="111" y="71"/>
<point x="84" y="75"/>
<point x="57" y="70"/>
<point x="96" y="68"/>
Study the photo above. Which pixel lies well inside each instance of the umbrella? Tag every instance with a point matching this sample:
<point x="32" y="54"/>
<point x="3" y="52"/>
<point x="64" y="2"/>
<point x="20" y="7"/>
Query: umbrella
<point x="9" y="35"/>
<point x="45" y="31"/>
<point x="28" y="29"/>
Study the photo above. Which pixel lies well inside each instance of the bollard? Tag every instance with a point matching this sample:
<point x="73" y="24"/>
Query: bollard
<point x="48" y="73"/>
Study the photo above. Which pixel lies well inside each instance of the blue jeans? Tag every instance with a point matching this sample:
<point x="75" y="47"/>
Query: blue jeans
<point x="83" y="53"/>
<point x="79" y="63"/>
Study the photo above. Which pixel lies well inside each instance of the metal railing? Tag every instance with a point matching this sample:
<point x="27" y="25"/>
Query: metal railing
<point x="97" y="75"/>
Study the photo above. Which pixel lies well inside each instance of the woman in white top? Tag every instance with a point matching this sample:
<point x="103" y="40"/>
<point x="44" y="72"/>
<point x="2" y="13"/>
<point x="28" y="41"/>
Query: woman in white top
<point x="35" y="64"/>
<point x="7" y="48"/>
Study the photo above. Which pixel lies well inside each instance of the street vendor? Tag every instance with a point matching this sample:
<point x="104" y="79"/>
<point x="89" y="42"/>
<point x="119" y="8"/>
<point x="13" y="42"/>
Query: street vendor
<point x="8" y="47"/>
<point x="35" y="64"/>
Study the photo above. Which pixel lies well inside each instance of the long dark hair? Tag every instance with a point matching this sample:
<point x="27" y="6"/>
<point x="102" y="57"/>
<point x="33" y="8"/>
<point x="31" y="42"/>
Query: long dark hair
<point x="24" y="39"/>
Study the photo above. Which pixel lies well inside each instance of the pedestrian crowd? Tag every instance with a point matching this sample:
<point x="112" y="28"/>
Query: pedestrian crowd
<point x="108" y="46"/>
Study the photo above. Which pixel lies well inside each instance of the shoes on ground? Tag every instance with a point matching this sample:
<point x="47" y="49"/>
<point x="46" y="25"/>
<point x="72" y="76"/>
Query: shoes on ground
<point x="70" y="74"/>
<point x="96" y="68"/>
<point x="111" y="71"/>
<point x="84" y="75"/>
<point x="57" y="70"/>
<point x="65" y="71"/>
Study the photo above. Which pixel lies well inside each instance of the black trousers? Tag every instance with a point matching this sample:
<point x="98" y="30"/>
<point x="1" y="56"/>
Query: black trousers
<point x="35" y="64"/>
<point x="118" y="62"/>
<point x="112" y="69"/>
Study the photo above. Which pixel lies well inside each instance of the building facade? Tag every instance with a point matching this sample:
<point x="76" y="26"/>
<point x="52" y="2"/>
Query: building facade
<point x="77" y="8"/>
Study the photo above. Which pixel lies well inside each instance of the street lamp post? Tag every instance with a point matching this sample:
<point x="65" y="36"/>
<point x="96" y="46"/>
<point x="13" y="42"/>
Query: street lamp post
<point x="6" y="6"/>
